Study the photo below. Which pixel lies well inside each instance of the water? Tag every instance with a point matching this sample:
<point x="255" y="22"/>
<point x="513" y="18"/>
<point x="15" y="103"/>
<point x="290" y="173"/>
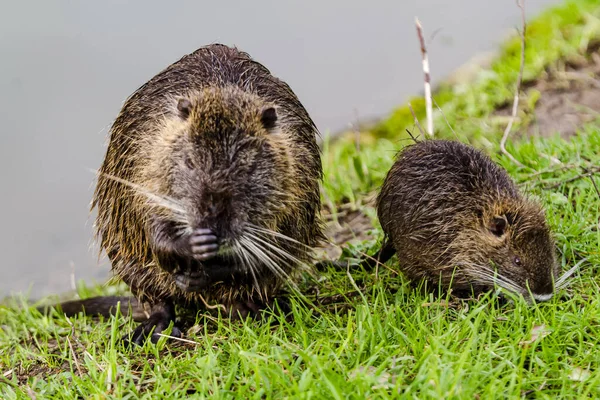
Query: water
<point x="67" y="67"/>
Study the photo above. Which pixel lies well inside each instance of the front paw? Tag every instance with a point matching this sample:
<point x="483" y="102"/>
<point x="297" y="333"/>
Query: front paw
<point x="191" y="281"/>
<point x="204" y="244"/>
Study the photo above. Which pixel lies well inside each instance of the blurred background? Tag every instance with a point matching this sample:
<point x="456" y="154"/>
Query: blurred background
<point x="67" y="67"/>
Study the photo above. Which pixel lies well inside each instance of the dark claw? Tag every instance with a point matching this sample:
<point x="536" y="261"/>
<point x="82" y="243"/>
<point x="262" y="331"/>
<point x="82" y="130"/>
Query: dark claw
<point x="159" y="321"/>
<point x="150" y="328"/>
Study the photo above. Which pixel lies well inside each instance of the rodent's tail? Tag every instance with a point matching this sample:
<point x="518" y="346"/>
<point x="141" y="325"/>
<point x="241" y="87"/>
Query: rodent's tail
<point x="384" y="254"/>
<point x="100" y="306"/>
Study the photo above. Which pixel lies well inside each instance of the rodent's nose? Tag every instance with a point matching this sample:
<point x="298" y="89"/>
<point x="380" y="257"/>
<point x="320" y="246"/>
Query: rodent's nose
<point x="543" y="290"/>
<point x="210" y="217"/>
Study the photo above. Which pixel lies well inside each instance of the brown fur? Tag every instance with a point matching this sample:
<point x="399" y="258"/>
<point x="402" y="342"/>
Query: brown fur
<point x="214" y="111"/>
<point x="446" y="209"/>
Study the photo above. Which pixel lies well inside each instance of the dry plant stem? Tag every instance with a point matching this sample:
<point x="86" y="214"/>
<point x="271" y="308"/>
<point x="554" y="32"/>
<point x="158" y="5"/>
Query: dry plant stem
<point x="595" y="186"/>
<point x="75" y="359"/>
<point x="445" y="119"/>
<point x="591" y="175"/>
<point x="427" y="79"/>
<point x="179" y="339"/>
<point x="520" y="4"/>
<point x="378" y="263"/>
<point x="587" y="172"/>
<point x="31" y="393"/>
<point x="411" y="136"/>
<point x="416" y="119"/>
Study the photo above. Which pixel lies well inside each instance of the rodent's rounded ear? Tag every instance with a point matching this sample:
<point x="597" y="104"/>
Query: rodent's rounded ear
<point x="510" y="218"/>
<point x="268" y="118"/>
<point x="498" y="225"/>
<point x="184" y="106"/>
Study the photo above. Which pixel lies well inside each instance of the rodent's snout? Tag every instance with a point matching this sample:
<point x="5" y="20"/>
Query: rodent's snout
<point x="542" y="290"/>
<point x="205" y="213"/>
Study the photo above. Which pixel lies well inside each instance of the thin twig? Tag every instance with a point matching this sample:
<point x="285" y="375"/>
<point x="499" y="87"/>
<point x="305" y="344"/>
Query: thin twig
<point x="179" y="339"/>
<point x="520" y="4"/>
<point x="416" y="119"/>
<point x="31" y="393"/>
<point x="71" y="347"/>
<point x="73" y="281"/>
<point x="377" y="262"/>
<point x="562" y="167"/>
<point x="591" y="175"/>
<point x="445" y="119"/>
<point x="415" y="139"/>
<point x="588" y="172"/>
<point x="212" y="307"/>
<point x="86" y="353"/>
<point x="427" y="78"/>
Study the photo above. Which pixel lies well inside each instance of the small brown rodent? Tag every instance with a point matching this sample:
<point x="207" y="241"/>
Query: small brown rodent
<point x="209" y="190"/>
<point x="456" y="219"/>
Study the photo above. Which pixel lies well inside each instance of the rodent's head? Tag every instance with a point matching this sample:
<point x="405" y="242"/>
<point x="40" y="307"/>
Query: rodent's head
<point x="222" y="156"/>
<point x="513" y="239"/>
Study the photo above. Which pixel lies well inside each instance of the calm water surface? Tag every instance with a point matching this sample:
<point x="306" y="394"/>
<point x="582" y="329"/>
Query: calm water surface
<point x="67" y="66"/>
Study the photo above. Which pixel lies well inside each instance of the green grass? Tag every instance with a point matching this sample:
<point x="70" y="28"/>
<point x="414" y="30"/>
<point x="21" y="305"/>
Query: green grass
<point x="382" y="338"/>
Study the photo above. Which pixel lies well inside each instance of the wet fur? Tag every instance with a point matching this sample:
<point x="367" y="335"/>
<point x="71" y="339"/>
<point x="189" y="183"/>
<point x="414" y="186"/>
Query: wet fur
<point x="438" y="206"/>
<point x="225" y="94"/>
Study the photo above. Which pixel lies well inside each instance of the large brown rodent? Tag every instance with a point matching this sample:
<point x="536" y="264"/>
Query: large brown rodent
<point x="456" y="219"/>
<point x="209" y="190"/>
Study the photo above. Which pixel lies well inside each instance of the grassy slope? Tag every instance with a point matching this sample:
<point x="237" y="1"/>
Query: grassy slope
<point x="385" y="338"/>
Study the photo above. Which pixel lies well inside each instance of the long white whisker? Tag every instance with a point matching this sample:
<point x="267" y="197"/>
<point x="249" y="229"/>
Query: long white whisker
<point x="258" y="252"/>
<point x="255" y="228"/>
<point x="499" y="276"/>
<point x="276" y="269"/>
<point x="501" y="282"/>
<point x="285" y="277"/>
<point x="486" y="278"/>
<point x="241" y="252"/>
<point x="496" y="273"/>
<point x="278" y="250"/>
<point x="161" y="200"/>
<point x="560" y="282"/>
<point x="492" y="276"/>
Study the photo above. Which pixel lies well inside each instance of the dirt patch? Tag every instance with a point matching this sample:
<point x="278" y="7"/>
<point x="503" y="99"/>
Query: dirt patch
<point x="569" y="97"/>
<point x="352" y="226"/>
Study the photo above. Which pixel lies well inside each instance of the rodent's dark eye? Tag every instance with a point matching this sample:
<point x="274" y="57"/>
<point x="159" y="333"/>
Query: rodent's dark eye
<point x="189" y="163"/>
<point x="517" y="260"/>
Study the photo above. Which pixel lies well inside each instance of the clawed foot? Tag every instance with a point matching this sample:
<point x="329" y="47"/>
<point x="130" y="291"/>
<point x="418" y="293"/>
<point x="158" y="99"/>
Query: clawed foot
<point x="160" y="319"/>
